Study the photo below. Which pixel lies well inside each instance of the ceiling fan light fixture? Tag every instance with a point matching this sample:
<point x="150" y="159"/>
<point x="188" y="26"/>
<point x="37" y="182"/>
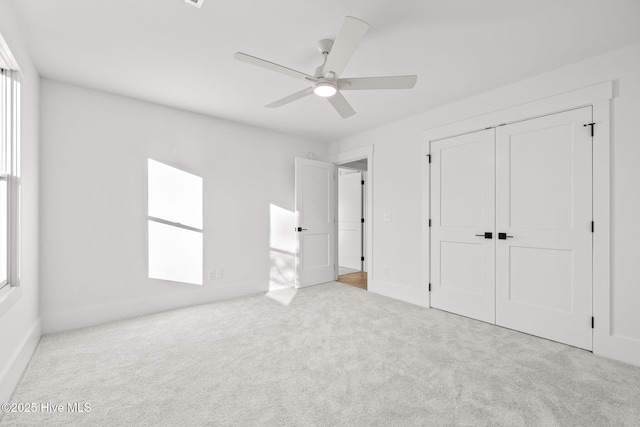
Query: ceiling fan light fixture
<point x="325" y="89"/>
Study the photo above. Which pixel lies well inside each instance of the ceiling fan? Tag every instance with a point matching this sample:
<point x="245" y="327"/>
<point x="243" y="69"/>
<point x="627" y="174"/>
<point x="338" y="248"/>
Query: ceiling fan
<point x="326" y="79"/>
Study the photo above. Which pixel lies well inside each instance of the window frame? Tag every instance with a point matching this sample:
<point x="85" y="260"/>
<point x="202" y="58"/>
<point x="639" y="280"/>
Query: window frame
<point x="151" y="218"/>
<point x="10" y="170"/>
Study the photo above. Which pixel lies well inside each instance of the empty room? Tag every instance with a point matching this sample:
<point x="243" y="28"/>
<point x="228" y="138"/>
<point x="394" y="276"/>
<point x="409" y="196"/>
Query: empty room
<point x="190" y="235"/>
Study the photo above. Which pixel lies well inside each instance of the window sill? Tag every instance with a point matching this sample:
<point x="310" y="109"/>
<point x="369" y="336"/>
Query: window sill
<point x="9" y="295"/>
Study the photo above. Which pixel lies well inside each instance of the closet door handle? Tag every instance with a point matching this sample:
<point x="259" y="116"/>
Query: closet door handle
<point x="503" y="236"/>
<point x="300" y="229"/>
<point x="486" y="235"/>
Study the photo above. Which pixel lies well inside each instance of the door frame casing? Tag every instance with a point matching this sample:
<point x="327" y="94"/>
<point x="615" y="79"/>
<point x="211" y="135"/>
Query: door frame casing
<point x="599" y="97"/>
<point x="362" y="153"/>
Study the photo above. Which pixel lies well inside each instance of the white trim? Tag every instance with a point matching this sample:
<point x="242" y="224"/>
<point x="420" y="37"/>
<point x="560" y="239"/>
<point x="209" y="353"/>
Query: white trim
<point x="10" y="157"/>
<point x="602" y="332"/>
<point x="542" y="107"/>
<point x="9" y="295"/>
<point x="426" y="213"/>
<point x="597" y="96"/>
<point x="7" y="60"/>
<point x="18" y="363"/>
<point x="621" y="348"/>
<point x="605" y="341"/>
<point x="351" y="156"/>
<point x="105" y="313"/>
<point x="413" y="296"/>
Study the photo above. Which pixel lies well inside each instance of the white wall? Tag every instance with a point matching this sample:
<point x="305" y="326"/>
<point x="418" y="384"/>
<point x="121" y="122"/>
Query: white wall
<point x="94" y="154"/>
<point x="19" y="318"/>
<point x="398" y="163"/>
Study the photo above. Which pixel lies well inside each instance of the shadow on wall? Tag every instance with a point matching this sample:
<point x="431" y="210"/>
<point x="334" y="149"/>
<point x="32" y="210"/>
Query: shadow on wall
<point x="282" y="243"/>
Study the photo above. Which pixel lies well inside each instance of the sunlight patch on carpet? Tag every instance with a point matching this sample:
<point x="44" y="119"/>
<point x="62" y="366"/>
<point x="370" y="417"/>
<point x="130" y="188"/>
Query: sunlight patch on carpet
<point x="283" y="296"/>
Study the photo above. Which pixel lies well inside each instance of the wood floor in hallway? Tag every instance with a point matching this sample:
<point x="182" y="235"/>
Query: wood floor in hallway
<point x="359" y="279"/>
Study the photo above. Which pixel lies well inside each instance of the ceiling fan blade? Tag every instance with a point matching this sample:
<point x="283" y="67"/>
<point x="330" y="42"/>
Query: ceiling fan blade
<point x="273" y="66"/>
<point x="341" y="105"/>
<point x="345" y="44"/>
<point x="389" y="82"/>
<point x="291" y="98"/>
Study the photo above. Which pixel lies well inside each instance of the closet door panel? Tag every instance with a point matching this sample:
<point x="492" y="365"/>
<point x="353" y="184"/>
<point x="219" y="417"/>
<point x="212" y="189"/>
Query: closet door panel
<point x="462" y="211"/>
<point x="544" y="207"/>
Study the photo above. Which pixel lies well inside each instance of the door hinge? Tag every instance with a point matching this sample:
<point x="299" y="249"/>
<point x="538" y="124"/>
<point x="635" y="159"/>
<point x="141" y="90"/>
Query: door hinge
<point x="361" y="258"/>
<point x="592" y="322"/>
<point x="429" y="157"/>
<point x="429" y="287"/>
<point x="592" y="126"/>
<point x="429" y="222"/>
<point x="593" y="226"/>
<point x="362" y="220"/>
<point x="362" y="182"/>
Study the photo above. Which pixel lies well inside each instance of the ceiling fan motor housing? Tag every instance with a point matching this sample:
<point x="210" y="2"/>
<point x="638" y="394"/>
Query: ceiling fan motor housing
<point x="325" y="46"/>
<point x="326" y="79"/>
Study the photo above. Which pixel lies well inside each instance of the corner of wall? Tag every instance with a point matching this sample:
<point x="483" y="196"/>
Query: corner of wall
<point x="20" y="324"/>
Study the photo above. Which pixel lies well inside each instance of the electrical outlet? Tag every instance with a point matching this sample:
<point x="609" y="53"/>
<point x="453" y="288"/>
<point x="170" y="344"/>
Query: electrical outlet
<point x="211" y="275"/>
<point x="387" y="216"/>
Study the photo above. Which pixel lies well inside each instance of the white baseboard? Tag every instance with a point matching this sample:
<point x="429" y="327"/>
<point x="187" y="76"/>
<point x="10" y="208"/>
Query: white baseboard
<point x="403" y="293"/>
<point x="104" y="313"/>
<point x="620" y="348"/>
<point x="11" y="375"/>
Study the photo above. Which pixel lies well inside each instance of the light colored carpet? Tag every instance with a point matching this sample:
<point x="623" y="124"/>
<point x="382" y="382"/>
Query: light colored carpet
<point x="329" y="355"/>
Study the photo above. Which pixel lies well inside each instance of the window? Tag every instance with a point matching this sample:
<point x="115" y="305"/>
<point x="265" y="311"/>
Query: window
<point x="9" y="175"/>
<point x="175" y="224"/>
<point x="4" y="232"/>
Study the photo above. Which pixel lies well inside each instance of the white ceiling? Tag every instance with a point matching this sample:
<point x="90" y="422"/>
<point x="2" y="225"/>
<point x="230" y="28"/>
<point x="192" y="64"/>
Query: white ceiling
<point x="168" y="52"/>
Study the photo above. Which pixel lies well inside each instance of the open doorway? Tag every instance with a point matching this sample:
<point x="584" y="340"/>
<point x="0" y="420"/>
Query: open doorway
<point x="352" y="263"/>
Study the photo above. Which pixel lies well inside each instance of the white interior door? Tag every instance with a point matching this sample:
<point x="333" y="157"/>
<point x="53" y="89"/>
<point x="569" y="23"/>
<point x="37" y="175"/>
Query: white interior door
<point x="315" y="204"/>
<point x="462" y="211"/>
<point x="544" y="205"/>
<point x="350" y="220"/>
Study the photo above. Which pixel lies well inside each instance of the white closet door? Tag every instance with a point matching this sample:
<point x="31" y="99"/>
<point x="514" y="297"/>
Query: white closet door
<point x="544" y="205"/>
<point x="462" y="211"/>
